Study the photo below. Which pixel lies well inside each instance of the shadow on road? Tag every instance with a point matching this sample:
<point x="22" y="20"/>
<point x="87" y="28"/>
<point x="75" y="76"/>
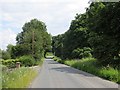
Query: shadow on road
<point x="70" y="70"/>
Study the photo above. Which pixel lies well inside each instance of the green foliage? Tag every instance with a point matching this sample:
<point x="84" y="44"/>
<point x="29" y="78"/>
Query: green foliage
<point x="40" y="62"/>
<point x="49" y="54"/>
<point x="10" y="63"/>
<point x="27" y="60"/>
<point x="58" y="59"/>
<point x="33" y="40"/>
<point x="9" y="49"/>
<point x="87" y="52"/>
<point x="77" y="53"/>
<point x="18" y="78"/>
<point x="20" y="50"/>
<point x="6" y="55"/>
<point x="3" y="67"/>
<point x="92" y="66"/>
<point x="68" y="44"/>
<point x="75" y="37"/>
<point x="85" y="64"/>
<point x="97" y="29"/>
<point x="32" y="43"/>
<point x="57" y="44"/>
<point x="110" y="73"/>
<point x="82" y="53"/>
<point x="104" y="32"/>
<point x="24" y="61"/>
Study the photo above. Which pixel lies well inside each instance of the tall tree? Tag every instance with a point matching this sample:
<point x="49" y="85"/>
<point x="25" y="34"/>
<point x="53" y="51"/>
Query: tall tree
<point x="97" y="30"/>
<point x="57" y="45"/>
<point x="73" y="40"/>
<point x="76" y="36"/>
<point x="103" y="24"/>
<point x="34" y="39"/>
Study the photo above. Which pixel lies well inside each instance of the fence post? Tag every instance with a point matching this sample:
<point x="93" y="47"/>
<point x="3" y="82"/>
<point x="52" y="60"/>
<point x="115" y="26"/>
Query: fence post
<point x="17" y="64"/>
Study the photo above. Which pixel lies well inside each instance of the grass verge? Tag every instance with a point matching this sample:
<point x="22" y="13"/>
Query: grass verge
<point x="49" y="54"/>
<point x="41" y="62"/>
<point x="90" y="65"/>
<point x="18" y="78"/>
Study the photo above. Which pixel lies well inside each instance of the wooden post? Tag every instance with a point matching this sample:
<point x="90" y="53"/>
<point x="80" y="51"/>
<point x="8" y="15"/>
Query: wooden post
<point x="17" y="64"/>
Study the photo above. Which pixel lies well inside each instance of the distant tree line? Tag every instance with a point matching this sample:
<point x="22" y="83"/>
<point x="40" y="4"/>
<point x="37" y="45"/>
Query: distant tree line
<point x="96" y="33"/>
<point x="33" y="41"/>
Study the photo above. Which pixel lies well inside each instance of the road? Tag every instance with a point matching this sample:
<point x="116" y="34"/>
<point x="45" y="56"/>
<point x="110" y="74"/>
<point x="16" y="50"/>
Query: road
<point x="55" y="75"/>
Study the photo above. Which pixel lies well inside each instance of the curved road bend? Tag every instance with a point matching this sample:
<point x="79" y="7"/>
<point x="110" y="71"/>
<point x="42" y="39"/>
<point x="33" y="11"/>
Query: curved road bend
<point x="55" y="75"/>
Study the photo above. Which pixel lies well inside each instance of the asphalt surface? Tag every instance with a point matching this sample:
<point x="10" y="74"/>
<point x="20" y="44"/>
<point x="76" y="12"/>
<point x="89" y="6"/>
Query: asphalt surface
<point x="55" y="75"/>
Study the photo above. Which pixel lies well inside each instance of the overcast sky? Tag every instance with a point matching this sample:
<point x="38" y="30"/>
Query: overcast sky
<point x="57" y="15"/>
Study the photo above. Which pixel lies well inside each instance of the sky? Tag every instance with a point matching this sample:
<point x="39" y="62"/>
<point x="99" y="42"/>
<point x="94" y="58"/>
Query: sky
<point x="56" y="14"/>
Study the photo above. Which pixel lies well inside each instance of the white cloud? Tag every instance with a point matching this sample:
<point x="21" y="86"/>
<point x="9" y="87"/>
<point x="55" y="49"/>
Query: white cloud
<point x="7" y="37"/>
<point x="57" y="14"/>
<point x="7" y="17"/>
<point x="40" y="1"/>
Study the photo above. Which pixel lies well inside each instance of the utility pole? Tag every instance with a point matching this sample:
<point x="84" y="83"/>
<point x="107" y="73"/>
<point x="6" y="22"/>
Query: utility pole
<point x="33" y="43"/>
<point x="62" y="50"/>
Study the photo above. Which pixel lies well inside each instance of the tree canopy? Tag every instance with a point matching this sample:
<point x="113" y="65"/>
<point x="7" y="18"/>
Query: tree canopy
<point x="33" y="40"/>
<point x="95" y="33"/>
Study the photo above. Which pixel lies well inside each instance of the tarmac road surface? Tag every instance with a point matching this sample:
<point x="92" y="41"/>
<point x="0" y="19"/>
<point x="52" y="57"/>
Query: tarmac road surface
<point x="55" y="75"/>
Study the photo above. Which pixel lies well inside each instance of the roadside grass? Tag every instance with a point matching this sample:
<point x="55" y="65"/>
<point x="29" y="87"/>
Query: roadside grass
<point x="110" y="74"/>
<point x="41" y="62"/>
<point x="91" y="65"/>
<point x="58" y="59"/>
<point x="1" y="75"/>
<point x="18" y="78"/>
<point x="49" y="54"/>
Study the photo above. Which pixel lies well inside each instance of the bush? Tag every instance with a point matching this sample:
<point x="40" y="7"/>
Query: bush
<point x="58" y="59"/>
<point x="109" y="73"/>
<point x="87" y="52"/>
<point x="6" y="55"/>
<point x="92" y="66"/>
<point x="10" y="63"/>
<point x="82" y="53"/>
<point x="24" y="61"/>
<point x="27" y="60"/>
<point x="77" y="53"/>
<point x="3" y="67"/>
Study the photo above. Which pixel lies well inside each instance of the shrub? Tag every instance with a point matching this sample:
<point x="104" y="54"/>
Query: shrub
<point x="91" y="65"/>
<point x="77" y="53"/>
<point x="109" y="73"/>
<point x="82" y="53"/>
<point x="3" y="67"/>
<point x="10" y="63"/>
<point x="6" y="55"/>
<point x="27" y="60"/>
<point x="87" y="52"/>
<point x="58" y="59"/>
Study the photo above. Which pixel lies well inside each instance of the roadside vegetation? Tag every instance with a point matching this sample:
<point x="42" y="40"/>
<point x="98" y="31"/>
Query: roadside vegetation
<point x="49" y="54"/>
<point x="92" y="42"/>
<point x="95" y="33"/>
<point x="18" y="78"/>
<point x="91" y="65"/>
<point x="32" y="43"/>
